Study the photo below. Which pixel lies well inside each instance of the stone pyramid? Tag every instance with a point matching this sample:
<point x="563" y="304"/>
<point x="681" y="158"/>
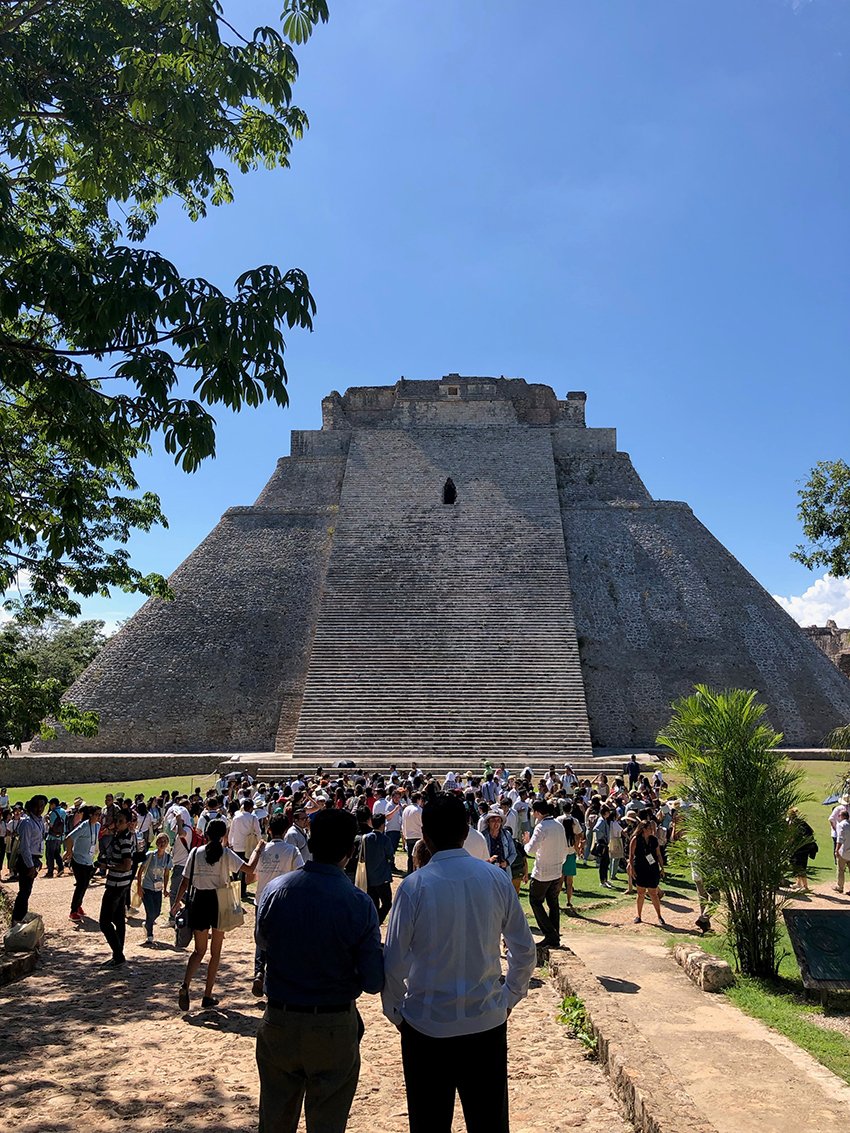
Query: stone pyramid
<point x="455" y="567"/>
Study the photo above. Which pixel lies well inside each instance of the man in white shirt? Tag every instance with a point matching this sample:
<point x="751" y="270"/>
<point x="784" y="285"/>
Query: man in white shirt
<point x="411" y="826"/>
<point x="244" y="834"/>
<point x="443" y="986"/>
<point x="548" y="843"/>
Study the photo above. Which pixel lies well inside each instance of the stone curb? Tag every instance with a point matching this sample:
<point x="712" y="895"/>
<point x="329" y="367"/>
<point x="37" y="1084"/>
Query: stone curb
<point x="706" y="971"/>
<point x="650" y="1095"/>
<point x="16" y="965"/>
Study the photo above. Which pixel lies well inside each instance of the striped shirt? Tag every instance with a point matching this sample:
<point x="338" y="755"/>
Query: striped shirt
<point x="122" y="848"/>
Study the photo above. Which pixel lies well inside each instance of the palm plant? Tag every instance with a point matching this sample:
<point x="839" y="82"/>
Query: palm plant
<point x="739" y="831"/>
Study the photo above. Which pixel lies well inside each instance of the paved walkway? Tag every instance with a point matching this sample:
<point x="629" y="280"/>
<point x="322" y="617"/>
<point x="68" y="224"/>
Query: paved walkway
<point x="742" y="1076"/>
<point x="87" y="1047"/>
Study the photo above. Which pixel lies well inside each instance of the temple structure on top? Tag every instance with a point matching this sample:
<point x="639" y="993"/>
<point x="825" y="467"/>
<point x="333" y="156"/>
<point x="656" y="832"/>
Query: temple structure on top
<point x="454" y="567"/>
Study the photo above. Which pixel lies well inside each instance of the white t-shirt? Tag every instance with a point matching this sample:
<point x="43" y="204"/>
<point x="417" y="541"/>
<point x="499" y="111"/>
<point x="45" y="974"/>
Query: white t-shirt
<point x="277" y="858"/>
<point x="476" y="845"/>
<point x="243" y="824"/>
<point x="216" y="876"/>
<point x="411" y="822"/>
<point x="842" y="839"/>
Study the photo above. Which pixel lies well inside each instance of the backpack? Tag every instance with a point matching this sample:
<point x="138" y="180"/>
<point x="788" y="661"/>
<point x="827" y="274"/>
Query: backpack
<point x="197" y="838"/>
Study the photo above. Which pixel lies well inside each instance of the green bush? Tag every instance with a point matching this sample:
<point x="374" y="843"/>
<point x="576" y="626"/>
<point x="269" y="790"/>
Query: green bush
<point x="738" y="830"/>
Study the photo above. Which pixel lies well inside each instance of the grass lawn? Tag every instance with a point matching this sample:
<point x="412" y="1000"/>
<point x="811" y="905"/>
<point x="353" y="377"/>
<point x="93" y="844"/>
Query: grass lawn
<point x="95" y="793"/>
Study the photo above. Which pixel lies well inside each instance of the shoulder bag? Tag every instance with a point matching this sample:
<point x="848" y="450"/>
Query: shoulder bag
<point x="230" y="912"/>
<point x="182" y="928"/>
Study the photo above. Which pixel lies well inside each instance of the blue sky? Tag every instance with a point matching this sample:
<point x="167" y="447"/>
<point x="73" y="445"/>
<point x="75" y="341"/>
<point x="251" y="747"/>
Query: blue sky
<point x="647" y="201"/>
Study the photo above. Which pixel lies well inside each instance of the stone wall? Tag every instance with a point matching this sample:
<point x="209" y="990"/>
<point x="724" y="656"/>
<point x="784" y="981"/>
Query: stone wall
<point x="39" y="770"/>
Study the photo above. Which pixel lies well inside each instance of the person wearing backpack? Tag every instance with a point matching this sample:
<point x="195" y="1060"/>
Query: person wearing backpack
<point x="55" y="822"/>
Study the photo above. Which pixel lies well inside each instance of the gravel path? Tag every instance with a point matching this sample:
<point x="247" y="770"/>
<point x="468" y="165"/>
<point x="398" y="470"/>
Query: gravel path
<point x="83" y="1046"/>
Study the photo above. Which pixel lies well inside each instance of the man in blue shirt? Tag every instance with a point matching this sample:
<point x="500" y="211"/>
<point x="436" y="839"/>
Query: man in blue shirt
<point x="323" y="949"/>
<point x="55" y="822"/>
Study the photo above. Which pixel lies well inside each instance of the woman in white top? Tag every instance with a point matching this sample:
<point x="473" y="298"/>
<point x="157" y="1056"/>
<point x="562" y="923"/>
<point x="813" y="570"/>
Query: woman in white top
<point x="207" y="870"/>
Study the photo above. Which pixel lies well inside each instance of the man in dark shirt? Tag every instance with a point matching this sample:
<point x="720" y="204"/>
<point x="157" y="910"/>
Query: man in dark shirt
<point x="118" y="860"/>
<point x="323" y="949"/>
<point x="379" y="855"/>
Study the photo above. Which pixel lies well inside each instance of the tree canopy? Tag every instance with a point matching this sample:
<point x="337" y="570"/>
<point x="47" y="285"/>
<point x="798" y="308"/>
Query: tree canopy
<point x="107" y="109"/>
<point x="60" y="648"/>
<point x="38" y="662"/>
<point x="824" y="511"/>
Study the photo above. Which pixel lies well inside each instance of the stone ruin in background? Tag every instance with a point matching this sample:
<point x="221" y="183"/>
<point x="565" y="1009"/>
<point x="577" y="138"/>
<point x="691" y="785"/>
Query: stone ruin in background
<point x="834" y="642"/>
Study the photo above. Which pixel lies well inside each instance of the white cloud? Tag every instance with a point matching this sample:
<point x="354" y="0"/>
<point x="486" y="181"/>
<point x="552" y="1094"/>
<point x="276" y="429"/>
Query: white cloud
<point x="826" y="598"/>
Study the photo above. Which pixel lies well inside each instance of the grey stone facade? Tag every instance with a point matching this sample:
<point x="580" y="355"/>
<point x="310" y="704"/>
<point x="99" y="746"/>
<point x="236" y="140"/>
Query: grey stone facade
<point x="352" y="612"/>
<point x="834" y="642"/>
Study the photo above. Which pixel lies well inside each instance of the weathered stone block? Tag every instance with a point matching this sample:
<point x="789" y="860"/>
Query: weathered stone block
<point x="707" y="972"/>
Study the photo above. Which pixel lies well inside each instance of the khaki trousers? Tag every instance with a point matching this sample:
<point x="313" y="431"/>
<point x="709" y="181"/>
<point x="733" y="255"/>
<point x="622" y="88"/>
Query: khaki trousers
<point x="312" y="1060"/>
<point x="842" y="866"/>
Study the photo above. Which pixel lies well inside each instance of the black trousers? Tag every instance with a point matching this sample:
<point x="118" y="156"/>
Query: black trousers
<point x="82" y="876"/>
<point x="25" y="884"/>
<point x="604" y="863"/>
<point x="474" y="1066"/>
<point x="112" y="918"/>
<point x="382" y="896"/>
<point x="548" y="918"/>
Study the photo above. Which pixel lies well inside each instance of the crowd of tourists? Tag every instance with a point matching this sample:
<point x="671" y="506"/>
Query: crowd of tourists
<point x="141" y="848"/>
<point x="322" y="850"/>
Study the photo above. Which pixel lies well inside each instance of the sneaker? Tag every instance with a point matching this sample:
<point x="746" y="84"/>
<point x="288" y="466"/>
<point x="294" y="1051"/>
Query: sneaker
<point x="209" y="1001"/>
<point x="75" y="916"/>
<point x="183" y="998"/>
<point x="637" y="920"/>
<point x="258" y="987"/>
<point x="150" y="939"/>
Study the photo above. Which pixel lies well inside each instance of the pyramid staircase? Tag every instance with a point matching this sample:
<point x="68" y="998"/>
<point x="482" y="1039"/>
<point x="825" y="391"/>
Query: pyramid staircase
<point x="446" y="630"/>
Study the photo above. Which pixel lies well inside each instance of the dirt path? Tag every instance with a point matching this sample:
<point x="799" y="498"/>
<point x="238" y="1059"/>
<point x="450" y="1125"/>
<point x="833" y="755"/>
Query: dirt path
<point x="83" y="1046"/>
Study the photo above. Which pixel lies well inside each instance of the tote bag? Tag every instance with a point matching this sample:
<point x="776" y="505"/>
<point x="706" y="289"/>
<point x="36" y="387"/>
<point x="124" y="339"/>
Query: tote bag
<point x="360" y="878"/>
<point x="230" y="912"/>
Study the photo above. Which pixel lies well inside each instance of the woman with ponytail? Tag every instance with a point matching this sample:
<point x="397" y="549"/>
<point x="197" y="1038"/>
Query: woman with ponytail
<point x="208" y="869"/>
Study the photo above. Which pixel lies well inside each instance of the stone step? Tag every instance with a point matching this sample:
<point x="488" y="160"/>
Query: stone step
<point x="445" y="630"/>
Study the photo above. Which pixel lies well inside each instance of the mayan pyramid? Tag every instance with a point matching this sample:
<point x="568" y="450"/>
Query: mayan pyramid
<point x="449" y="567"/>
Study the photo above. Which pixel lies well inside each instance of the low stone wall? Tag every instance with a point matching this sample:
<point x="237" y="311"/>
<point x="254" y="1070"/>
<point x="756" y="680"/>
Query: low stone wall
<point x="16" y="965"/>
<point x="43" y="770"/>
<point x="651" y="1097"/>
